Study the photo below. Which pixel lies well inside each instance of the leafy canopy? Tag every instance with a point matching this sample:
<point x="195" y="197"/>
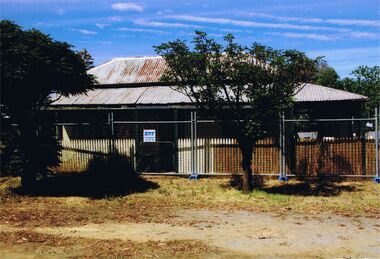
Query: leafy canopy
<point x="366" y="81"/>
<point x="227" y="79"/>
<point x="34" y="68"/>
<point x="326" y="76"/>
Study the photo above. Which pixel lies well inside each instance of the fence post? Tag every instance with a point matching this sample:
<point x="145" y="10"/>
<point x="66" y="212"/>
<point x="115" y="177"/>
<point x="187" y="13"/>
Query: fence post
<point x="193" y="143"/>
<point x="280" y="149"/>
<point x="136" y="137"/>
<point x="282" y="176"/>
<point x="176" y="151"/>
<point x="363" y="144"/>
<point x="376" y="179"/>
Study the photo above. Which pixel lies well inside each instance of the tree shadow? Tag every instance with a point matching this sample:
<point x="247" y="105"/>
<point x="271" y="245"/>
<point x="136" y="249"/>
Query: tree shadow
<point x="316" y="186"/>
<point x="107" y="175"/>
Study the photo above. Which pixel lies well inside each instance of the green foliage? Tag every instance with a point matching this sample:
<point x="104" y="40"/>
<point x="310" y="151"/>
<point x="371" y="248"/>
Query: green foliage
<point x="87" y="58"/>
<point x="365" y="81"/>
<point x="34" y="67"/>
<point x="226" y="79"/>
<point x="327" y="76"/>
<point x="251" y="85"/>
<point x="35" y="70"/>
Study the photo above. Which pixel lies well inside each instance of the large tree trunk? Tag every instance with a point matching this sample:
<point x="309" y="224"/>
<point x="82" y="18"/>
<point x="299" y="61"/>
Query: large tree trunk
<point x="28" y="143"/>
<point x="29" y="177"/>
<point x="246" y="148"/>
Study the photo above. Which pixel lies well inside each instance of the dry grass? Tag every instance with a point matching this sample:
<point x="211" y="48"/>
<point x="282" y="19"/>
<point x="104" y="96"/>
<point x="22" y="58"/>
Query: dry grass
<point x="349" y="198"/>
<point x="161" y="204"/>
<point x="48" y="246"/>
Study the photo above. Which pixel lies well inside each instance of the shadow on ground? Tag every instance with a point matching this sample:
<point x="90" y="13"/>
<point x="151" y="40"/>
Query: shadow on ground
<point x="319" y="186"/>
<point x="106" y="176"/>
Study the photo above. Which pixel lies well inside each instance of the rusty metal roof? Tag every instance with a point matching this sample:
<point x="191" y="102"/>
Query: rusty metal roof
<point x="132" y="70"/>
<point x="146" y="70"/>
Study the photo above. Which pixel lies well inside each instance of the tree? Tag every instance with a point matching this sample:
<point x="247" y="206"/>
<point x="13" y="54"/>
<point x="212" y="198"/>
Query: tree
<point x="35" y="70"/>
<point x="225" y="80"/>
<point x="87" y="58"/>
<point x="365" y="81"/>
<point x="326" y="76"/>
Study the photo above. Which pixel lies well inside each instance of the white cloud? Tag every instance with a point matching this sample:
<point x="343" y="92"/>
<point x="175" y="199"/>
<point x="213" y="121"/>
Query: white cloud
<point x="235" y="30"/>
<point x="164" y="24"/>
<point x="101" y="25"/>
<point x="309" y="36"/>
<point x="86" y="32"/>
<point x="46" y="24"/>
<point x="166" y="11"/>
<point x="127" y="7"/>
<point x="142" y="30"/>
<point x="117" y="18"/>
<point x="365" y="35"/>
<point x="60" y="11"/>
<point x="254" y="24"/>
<point x="373" y="23"/>
<point x="324" y="37"/>
<point x="216" y="35"/>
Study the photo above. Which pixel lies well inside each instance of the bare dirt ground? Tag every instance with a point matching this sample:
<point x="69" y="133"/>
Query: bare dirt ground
<point x="243" y="234"/>
<point x="188" y="220"/>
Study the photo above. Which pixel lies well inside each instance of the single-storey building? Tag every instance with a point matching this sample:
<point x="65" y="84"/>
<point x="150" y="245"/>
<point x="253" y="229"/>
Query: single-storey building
<point x="131" y="89"/>
<point x="134" y="82"/>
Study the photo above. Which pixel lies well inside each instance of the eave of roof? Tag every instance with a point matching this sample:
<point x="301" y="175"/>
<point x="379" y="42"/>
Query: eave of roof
<point x="166" y="95"/>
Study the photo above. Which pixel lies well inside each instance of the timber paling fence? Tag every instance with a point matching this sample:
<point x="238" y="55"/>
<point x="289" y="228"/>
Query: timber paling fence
<point x="336" y="147"/>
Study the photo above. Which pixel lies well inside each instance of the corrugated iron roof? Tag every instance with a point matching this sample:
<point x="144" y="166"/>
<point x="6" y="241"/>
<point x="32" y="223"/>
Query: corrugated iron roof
<point x="126" y="96"/>
<point x="133" y="70"/>
<point x="318" y="93"/>
<point x="146" y="70"/>
<point x="151" y="95"/>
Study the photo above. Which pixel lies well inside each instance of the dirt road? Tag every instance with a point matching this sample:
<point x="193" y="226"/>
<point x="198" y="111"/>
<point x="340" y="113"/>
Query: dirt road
<point x="245" y="234"/>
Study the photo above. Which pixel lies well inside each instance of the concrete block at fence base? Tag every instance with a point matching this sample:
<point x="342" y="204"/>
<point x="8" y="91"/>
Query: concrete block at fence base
<point x="376" y="179"/>
<point x="282" y="178"/>
<point x="194" y="177"/>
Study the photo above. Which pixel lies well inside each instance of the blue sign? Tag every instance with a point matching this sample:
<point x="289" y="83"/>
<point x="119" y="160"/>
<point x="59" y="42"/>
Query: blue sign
<point x="149" y="135"/>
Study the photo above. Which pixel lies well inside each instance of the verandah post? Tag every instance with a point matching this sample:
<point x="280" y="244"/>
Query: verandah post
<point x="136" y="137"/>
<point x="176" y="151"/>
<point x="111" y="125"/>
<point x="282" y="176"/>
<point x="193" y="143"/>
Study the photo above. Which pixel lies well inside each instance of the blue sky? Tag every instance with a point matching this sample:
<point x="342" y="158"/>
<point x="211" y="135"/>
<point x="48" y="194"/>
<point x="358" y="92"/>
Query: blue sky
<point x="346" y="32"/>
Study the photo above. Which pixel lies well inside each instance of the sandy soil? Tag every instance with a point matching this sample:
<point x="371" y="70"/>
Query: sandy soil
<point x="244" y="234"/>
